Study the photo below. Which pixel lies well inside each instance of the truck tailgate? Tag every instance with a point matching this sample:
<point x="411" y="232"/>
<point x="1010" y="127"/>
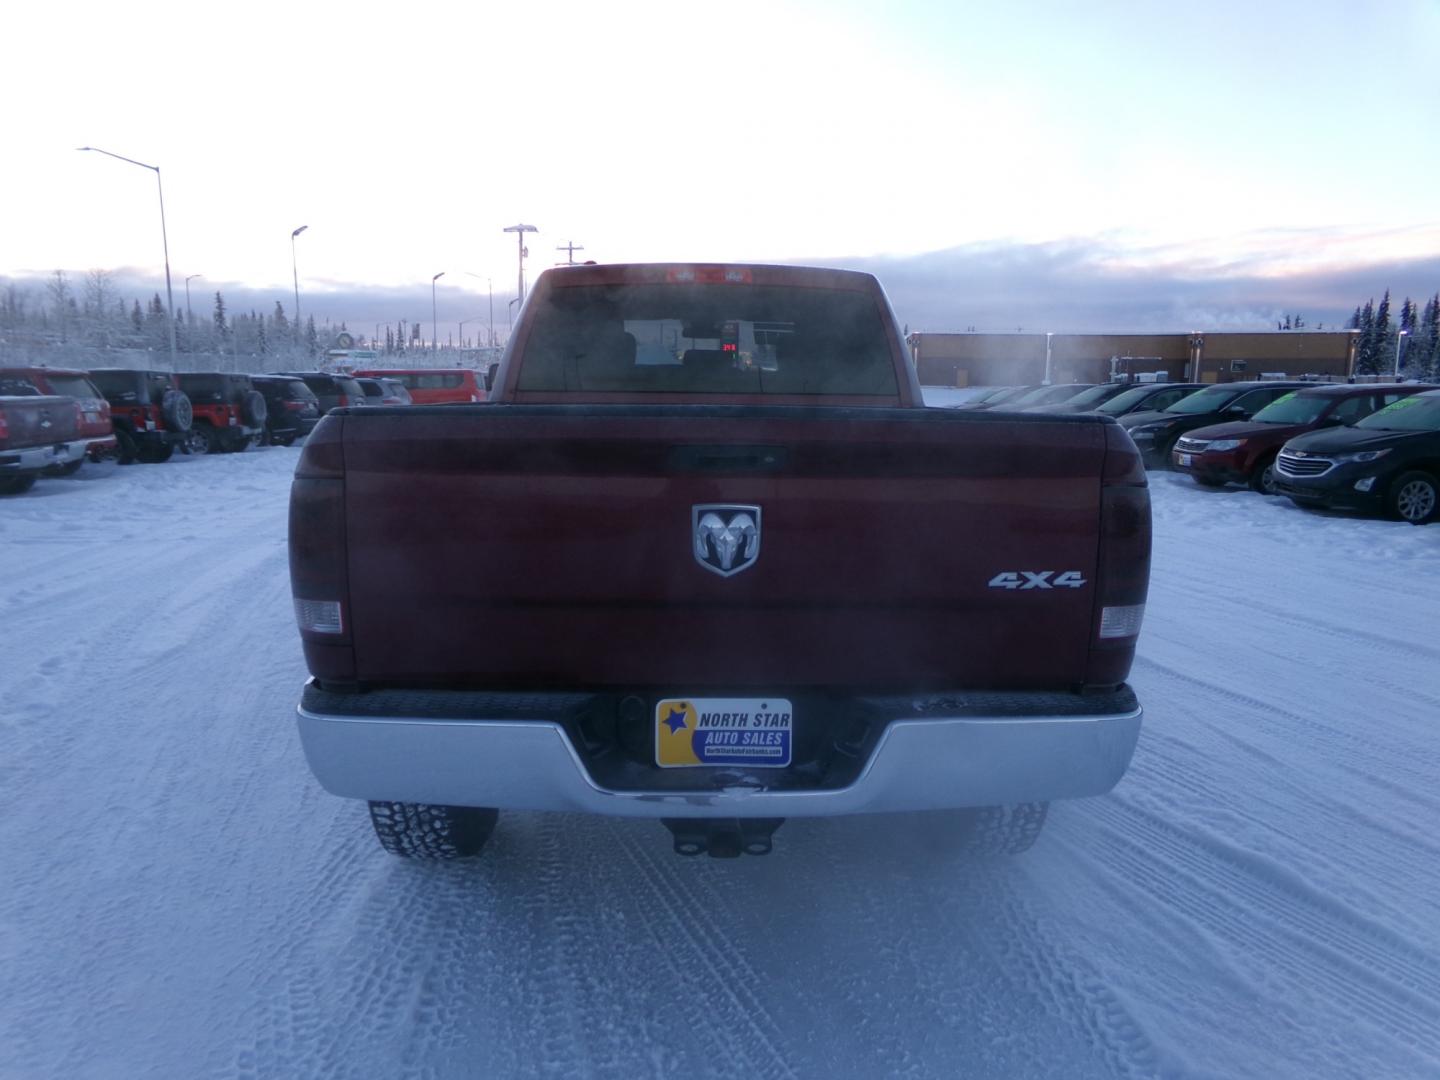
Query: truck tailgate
<point x="37" y="421"/>
<point x="553" y="546"/>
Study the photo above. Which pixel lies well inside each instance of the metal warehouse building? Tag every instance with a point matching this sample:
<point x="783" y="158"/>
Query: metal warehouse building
<point x="968" y="359"/>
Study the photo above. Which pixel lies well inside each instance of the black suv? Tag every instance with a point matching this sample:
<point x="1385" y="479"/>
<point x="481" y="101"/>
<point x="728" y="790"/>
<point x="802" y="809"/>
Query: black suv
<point x="333" y="391"/>
<point x="1155" y="433"/>
<point x="291" y="408"/>
<point x="229" y="412"/>
<point x="1389" y="461"/>
<point x="151" y="414"/>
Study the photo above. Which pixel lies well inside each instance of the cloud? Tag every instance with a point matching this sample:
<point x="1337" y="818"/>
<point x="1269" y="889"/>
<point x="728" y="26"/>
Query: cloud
<point x="1084" y="285"/>
<point x="1087" y="286"/>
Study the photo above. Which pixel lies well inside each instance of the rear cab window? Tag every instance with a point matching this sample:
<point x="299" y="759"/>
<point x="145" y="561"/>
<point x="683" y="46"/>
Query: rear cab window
<point x="693" y="338"/>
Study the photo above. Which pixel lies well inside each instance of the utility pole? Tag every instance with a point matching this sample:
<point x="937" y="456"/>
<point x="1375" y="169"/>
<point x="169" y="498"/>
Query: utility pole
<point x="189" y="319"/>
<point x="520" y="231"/>
<point x="569" y="248"/>
<point x="296" y="274"/>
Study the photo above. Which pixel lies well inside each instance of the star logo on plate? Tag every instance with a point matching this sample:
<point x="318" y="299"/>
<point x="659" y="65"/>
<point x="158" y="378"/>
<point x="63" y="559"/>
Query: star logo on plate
<point x="675" y="719"/>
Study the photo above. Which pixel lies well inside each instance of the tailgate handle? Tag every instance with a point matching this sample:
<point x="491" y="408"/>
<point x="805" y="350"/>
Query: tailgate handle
<point x="727" y="459"/>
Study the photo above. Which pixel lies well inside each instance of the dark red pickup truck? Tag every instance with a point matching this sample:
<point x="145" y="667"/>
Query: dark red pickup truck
<point x="39" y="433"/>
<point x="707" y="558"/>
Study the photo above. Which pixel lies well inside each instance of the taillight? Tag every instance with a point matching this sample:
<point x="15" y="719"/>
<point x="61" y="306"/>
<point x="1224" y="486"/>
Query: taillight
<point x="319" y="579"/>
<point x="1123" y="571"/>
<point x="79" y="416"/>
<point x="4" y="427"/>
<point x="344" y="400"/>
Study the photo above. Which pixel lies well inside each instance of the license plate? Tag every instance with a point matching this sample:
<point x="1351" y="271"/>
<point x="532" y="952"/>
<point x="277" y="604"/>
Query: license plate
<point x="1184" y="459"/>
<point x="752" y="732"/>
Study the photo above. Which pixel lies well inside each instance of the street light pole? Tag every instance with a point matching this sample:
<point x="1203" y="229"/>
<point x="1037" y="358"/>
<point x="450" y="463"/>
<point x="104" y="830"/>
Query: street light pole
<point x="189" y="318"/>
<point x="295" y="273"/>
<point x="434" y="326"/>
<point x="520" y="231"/>
<point x="1399" y="338"/>
<point x="164" y="238"/>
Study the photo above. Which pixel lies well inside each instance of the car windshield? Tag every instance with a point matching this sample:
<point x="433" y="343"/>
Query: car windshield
<point x="1294" y="408"/>
<point x="1418" y="413"/>
<point x="708" y="339"/>
<point x="1001" y="397"/>
<point x="1205" y="401"/>
<point x="1123" y="403"/>
<point x="1093" y="396"/>
<point x="1045" y="395"/>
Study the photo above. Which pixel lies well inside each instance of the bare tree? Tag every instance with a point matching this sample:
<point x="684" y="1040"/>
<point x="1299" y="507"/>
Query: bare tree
<point x="61" y="297"/>
<point x="99" y="298"/>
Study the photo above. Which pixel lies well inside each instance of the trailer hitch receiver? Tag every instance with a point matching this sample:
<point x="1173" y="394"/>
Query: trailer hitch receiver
<point x="722" y="838"/>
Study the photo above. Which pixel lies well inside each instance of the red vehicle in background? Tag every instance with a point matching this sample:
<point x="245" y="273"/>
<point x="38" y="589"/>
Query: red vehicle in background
<point x="95" y="425"/>
<point x="433" y="386"/>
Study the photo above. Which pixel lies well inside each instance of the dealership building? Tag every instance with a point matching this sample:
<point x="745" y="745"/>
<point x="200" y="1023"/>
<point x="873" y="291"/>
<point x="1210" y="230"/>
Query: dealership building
<point x="970" y="359"/>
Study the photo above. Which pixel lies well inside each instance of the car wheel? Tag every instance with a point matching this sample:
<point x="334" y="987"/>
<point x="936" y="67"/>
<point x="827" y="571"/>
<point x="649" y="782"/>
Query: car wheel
<point x="422" y="831"/>
<point x="1414" y="497"/>
<point x="285" y="440"/>
<point x="1262" y="477"/>
<point x="200" y="439"/>
<point x="1002" y="830"/>
<point x="1209" y="481"/>
<point x="16" y="485"/>
<point x="126" y="448"/>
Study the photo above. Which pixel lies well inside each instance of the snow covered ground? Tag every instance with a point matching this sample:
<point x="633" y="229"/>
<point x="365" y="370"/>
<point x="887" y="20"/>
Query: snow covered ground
<point x="1259" y="898"/>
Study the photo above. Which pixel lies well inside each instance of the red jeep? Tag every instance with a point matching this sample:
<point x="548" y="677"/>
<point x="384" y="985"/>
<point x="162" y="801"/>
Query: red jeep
<point x="229" y="412"/>
<point x="96" y="427"/>
<point x="150" y="413"/>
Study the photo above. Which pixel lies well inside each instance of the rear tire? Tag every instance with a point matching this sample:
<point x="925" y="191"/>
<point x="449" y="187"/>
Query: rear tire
<point x="1414" y="497"/>
<point x="201" y="439"/>
<point x="126" y="449"/>
<point x="1003" y="830"/>
<point x="423" y="831"/>
<point x="1209" y="481"/>
<point x="1262" y="477"/>
<point x="16" y="485"/>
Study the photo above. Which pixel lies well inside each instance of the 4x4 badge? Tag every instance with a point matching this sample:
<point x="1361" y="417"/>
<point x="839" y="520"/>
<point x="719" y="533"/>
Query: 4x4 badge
<point x="725" y="537"/>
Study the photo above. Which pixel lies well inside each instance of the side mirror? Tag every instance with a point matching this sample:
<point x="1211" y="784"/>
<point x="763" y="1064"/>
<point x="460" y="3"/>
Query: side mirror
<point x="1238" y="410"/>
<point x="1334" y="421"/>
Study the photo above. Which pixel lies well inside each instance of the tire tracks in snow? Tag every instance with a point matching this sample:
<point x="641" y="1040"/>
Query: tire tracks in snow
<point x="712" y="971"/>
<point x="1282" y="923"/>
<point x="1419" y="763"/>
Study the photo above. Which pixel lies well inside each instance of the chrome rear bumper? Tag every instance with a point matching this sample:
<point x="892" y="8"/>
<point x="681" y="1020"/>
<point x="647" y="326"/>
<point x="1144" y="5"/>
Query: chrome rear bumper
<point x="923" y="763"/>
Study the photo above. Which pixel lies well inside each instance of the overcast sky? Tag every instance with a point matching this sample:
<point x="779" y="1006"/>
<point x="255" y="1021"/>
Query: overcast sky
<point x="1267" y="142"/>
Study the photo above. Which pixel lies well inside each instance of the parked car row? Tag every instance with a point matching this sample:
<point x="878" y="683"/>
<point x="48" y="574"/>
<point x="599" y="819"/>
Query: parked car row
<point x="1373" y="447"/>
<point x="52" y="419"/>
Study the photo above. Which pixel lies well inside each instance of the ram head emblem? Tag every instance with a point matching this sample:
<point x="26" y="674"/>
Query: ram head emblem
<point x="726" y="539"/>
